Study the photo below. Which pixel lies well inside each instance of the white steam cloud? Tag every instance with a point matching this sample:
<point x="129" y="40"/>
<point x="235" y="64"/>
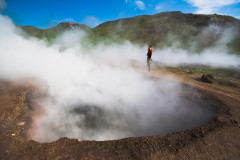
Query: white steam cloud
<point x="91" y="21"/>
<point x="95" y="94"/>
<point x="214" y="39"/>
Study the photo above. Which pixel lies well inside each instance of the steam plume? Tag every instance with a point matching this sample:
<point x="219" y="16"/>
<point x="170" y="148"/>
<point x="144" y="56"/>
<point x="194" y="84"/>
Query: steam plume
<point x="94" y="93"/>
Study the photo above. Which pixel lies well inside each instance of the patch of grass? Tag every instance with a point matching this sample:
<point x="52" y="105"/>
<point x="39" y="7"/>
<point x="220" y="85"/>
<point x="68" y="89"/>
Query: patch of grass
<point x="225" y="73"/>
<point x="200" y="71"/>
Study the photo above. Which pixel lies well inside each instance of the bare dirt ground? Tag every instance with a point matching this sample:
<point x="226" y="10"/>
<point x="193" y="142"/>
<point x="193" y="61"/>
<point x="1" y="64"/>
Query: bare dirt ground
<point x="220" y="139"/>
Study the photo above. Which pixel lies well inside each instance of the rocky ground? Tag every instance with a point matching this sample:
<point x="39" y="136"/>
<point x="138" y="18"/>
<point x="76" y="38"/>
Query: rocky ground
<point x="220" y="139"/>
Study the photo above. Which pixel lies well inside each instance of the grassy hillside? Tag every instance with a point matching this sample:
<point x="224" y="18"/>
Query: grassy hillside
<point x="160" y="30"/>
<point x="165" y="28"/>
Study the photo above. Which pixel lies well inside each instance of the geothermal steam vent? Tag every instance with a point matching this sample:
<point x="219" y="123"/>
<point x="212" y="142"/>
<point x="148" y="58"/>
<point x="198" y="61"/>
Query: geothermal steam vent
<point x="95" y="93"/>
<point x="164" y="107"/>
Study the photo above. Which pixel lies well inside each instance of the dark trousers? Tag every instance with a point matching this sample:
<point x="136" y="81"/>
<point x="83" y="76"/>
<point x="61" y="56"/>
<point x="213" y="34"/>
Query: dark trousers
<point x="149" y="63"/>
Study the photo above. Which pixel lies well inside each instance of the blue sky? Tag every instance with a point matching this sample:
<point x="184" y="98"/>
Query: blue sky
<point x="47" y="13"/>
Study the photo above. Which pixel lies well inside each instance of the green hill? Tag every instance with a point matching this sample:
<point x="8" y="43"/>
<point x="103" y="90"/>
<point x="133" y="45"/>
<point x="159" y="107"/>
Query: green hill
<point x="165" y="28"/>
<point x="160" y="30"/>
<point x="54" y="31"/>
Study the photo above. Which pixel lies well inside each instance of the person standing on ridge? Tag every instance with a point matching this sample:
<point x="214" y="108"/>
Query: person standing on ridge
<point x="149" y="57"/>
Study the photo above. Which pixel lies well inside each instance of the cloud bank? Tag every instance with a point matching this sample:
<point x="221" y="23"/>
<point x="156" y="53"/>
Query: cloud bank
<point x="209" y="7"/>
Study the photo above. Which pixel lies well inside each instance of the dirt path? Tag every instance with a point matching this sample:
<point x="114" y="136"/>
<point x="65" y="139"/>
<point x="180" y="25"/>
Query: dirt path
<point x="183" y="78"/>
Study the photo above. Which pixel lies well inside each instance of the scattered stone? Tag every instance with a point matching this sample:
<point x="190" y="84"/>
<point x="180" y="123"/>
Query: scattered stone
<point x="21" y="123"/>
<point x="207" y="78"/>
<point x="233" y="121"/>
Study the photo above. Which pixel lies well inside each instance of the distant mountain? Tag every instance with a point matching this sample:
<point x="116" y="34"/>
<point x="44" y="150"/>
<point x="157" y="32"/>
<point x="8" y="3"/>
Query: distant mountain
<point x="54" y="31"/>
<point x="160" y="30"/>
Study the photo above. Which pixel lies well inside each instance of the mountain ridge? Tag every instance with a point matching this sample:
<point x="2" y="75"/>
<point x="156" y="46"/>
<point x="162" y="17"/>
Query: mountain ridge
<point x="53" y="31"/>
<point x="159" y="30"/>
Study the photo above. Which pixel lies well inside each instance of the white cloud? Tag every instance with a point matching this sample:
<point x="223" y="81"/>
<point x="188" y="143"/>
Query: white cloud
<point x="91" y="21"/>
<point x="210" y="6"/>
<point x="158" y="7"/>
<point x="140" y="5"/>
<point x="3" y="4"/>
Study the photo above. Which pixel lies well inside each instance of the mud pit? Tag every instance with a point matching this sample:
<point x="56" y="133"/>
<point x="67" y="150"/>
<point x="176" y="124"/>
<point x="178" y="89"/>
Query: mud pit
<point x="217" y="133"/>
<point x="98" y="123"/>
<point x="164" y="113"/>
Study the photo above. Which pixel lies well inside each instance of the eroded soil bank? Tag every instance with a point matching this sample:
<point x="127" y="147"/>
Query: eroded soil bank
<point x="220" y="139"/>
